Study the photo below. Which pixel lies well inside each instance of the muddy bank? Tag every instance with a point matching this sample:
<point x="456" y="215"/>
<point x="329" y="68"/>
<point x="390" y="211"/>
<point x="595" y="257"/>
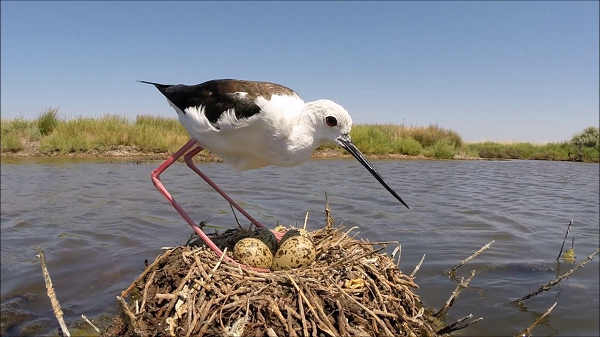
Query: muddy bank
<point x="134" y="154"/>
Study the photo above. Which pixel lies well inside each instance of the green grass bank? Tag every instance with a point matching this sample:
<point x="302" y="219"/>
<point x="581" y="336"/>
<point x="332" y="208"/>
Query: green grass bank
<point x="50" y="135"/>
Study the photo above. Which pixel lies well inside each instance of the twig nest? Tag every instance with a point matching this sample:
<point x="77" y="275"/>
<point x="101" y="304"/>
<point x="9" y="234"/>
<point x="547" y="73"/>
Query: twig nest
<point x="253" y="252"/>
<point x="295" y="232"/>
<point x="267" y="237"/>
<point x="296" y="251"/>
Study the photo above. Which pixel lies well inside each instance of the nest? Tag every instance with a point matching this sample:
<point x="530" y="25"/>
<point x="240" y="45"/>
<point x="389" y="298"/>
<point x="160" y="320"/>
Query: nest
<point x="352" y="289"/>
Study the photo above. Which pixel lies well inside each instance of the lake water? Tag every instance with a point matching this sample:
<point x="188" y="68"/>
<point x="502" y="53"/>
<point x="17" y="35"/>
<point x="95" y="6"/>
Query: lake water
<point x="97" y="222"/>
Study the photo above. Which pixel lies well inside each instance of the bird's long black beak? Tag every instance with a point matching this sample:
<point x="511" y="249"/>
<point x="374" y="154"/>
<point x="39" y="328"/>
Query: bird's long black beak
<point x="345" y="142"/>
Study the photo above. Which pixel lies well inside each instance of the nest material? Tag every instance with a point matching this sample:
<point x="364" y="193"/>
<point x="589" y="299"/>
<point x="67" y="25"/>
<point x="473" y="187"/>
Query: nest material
<point x="352" y="289"/>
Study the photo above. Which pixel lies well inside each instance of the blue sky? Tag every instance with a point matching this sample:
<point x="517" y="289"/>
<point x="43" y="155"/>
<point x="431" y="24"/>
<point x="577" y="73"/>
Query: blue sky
<point x="503" y="71"/>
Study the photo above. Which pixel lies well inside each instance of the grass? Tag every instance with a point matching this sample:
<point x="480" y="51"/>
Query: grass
<point x="401" y="139"/>
<point x="47" y="121"/>
<point x="563" y="151"/>
<point x="151" y="134"/>
<point x="108" y="132"/>
<point x="442" y="149"/>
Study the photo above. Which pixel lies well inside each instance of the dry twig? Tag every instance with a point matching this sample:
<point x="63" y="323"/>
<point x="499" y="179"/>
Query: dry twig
<point x="90" y="323"/>
<point x="565" y="239"/>
<point x="417" y="267"/>
<point x="453" y="269"/>
<point x="128" y="316"/>
<point x="547" y="287"/>
<point x="527" y="332"/>
<point x="305" y="220"/>
<point x="459" y="287"/>
<point x="51" y="294"/>
<point x="458" y="325"/>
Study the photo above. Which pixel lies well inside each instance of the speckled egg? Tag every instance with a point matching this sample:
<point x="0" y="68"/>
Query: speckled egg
<point x="296" y="251"/>
<point x="253" y="252"/>
<point x="267" y="237"/>
<point x="295" y="232"/>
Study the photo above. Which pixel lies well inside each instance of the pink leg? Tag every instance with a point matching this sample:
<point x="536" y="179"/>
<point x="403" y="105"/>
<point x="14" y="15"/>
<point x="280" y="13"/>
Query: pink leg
<point x="156" y="180"/>
<point x="188" y="159"/>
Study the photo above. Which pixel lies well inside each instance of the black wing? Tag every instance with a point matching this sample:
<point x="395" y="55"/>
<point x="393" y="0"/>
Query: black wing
<point x="218" y="96"/>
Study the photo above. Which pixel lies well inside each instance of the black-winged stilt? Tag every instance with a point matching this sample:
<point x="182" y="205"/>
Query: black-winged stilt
<point x="251" y="125"/>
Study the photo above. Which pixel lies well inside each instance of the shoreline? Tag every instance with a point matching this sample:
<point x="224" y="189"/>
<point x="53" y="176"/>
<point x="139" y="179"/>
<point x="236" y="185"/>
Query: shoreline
<point x="132" y="153"/>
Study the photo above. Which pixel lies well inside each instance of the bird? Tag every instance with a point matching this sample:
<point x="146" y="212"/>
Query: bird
<point x="253" y="124"/>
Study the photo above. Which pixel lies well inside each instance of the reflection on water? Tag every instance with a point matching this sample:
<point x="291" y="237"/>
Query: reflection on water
<point x="98" y="221"/>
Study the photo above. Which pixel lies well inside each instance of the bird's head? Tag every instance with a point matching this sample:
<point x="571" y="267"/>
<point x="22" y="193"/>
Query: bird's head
<point x="332" y="125"/>
<point x="330" y="120"/>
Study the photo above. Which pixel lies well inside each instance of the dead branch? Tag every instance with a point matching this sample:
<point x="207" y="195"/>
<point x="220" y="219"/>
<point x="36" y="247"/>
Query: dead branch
<point x="527" y="332"/>
<point x="453" y="269"/>
<point x="417" y="267"/>
<point x="51" y="294"/>
<point x="459" y="287"/>
<point x="458" y="325"/>
<point x="565" y="239"/>
<point x="547" y="287"/>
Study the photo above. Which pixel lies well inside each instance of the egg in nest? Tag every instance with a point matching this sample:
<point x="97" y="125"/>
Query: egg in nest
<point x="253" y="252"/>
<point x="296" y="251"/>
<point x="294" y="232"/>
<point x="267" y="237"/>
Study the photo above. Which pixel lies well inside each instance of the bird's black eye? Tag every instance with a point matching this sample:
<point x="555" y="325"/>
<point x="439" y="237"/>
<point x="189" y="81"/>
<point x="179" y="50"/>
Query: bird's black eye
<point x="331" y="121"/>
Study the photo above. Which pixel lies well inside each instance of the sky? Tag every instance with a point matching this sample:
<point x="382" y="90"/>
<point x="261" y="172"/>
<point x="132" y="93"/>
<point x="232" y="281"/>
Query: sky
<point x="498" y="71"/>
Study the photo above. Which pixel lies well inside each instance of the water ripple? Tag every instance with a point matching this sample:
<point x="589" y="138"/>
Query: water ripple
<point x="97" y="222"/>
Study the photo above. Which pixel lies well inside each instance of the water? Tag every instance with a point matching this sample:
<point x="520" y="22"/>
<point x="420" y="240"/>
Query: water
<point x="98" y="221"/>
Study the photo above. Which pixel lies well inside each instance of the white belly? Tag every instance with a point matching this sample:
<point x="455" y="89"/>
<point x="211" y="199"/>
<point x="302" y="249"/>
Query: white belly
<point x="257" y="141"/>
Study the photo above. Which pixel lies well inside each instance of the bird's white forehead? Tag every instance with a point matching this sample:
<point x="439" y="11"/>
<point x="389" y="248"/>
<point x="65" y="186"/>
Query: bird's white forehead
<point x="330" y="108"/>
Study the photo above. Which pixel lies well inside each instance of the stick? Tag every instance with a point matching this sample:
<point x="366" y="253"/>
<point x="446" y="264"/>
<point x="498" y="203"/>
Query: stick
<point x="273" y="307"/>
<point x="290" y="323"/>
<point x="458" y="326"/>
<point x="235" y="216"/>
<point x="459" y="287"/>
<point x="182" y="283"/>
<point x="301" y="294"/>
<point x="417" y="267"/>
<point x="271" y="332"/>
<point x="453" y="269"/>
<point x="342" y="320"/>
<point x="377" y="319"/>
<point x="50" y="291"/>
<point x="145" y="272"/>
<point x="305" y="220"/>
<point x="218" y="263"/>
<point x="207" y="324"/>
<point x="323" y="320"/>
<point x="527" y="332"/>
<point x="150" y="279"/>
<point x="398" y="251"/>
<point x="304" y="327"/>
<point x="129" y="317"/>
<point x="90" y="323"/>
<point x="165" y="296"/>
<point x="345" y="262"/>
<point x="547" y="287"/>
<point x="328" y="218"/>
<point x="565" y="239"/>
